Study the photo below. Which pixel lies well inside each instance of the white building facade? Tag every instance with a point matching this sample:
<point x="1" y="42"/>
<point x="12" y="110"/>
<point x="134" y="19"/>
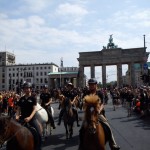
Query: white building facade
<point x="12" y="76"/>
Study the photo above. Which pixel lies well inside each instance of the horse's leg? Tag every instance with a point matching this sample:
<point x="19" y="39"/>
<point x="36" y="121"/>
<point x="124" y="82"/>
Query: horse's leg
<point x="40" y="125"/>
<point x="44" y="130"/>
<point x="66" y="127"/>
<point x="70" y="130"/>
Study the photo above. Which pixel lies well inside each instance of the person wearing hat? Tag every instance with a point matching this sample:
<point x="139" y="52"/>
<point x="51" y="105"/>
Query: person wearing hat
<point x="93" y="90"/>
<point x="46" y="100"/>
<point x="71" y="94"/>
<point x="26" y="109"/>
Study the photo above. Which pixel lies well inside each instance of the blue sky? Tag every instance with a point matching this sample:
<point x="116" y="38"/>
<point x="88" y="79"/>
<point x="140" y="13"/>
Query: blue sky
<point x="40" y="31"/>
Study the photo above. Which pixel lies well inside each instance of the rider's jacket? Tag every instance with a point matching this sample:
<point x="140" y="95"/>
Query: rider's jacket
<point x="45" y="98"/>
<point x="98" y="92"/>
<point x="26" y="105"/>
<point x="70" y="94"/>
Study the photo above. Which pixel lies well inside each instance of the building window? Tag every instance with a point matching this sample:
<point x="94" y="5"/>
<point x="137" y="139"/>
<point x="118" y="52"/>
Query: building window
<point x="41" y="80"/>
<point x="3" y="75"/>
<point x="45" y="80"/>
<point x="41" y="73"/>
<point x="3" y="80"/>
<point x="37" y="68"/>
<point x="37" y="80"/>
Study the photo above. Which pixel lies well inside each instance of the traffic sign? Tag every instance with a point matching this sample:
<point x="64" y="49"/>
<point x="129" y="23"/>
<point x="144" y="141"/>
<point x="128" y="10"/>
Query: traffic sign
<point x="145" y="66"/>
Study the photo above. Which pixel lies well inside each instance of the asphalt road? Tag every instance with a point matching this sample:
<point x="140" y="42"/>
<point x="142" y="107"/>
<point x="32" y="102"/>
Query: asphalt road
<point x="131" y="133"/>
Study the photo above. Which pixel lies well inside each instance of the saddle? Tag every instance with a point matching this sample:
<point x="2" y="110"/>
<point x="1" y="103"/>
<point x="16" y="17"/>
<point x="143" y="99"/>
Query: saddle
<point x="33" y="132"/>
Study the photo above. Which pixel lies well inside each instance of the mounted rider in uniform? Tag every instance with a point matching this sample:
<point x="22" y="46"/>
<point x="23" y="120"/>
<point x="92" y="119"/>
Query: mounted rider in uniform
<point x="93" y="90"/>
<point x="26" y="109"/>
<point x="71" y="95"/>
<point x="46" y="100"/>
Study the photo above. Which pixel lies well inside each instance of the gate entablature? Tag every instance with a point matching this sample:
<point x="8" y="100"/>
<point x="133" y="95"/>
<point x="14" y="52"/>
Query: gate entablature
<point x="115" y="56"/>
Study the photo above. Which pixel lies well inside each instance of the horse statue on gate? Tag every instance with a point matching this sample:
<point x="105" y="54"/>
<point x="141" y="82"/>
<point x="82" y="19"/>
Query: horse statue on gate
<point x="16" y="136"/>
<point x="94" y="136"/>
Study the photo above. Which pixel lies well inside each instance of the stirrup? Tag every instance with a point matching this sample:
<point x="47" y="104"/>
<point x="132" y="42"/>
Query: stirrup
<point x="115" y="147"/>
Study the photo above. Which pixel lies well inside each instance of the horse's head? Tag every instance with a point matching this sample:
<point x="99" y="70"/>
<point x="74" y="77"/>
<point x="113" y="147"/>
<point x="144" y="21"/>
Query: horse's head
<point x="67" y="104"/>
<point x="91" y="107"/>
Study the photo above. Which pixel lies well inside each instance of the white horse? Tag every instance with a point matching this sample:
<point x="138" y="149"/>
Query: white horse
<point x="42" y="116"/>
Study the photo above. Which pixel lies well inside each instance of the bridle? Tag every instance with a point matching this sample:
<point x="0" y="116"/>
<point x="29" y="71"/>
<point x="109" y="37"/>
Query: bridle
<point x="91" y="123"/>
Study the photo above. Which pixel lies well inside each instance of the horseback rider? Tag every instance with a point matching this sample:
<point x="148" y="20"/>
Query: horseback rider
<point x="71" y="95"/>
<point x="26" y="109"/>
<point x="46" y="100"/>
<point x="93" y="90"/>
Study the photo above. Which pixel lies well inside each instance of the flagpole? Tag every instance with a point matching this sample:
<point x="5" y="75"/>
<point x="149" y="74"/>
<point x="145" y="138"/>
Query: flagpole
<point x="61" y="65"/>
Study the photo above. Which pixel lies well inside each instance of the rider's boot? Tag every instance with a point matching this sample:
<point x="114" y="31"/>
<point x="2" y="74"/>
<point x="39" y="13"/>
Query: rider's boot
<point x="77" y="118"/>
<point x="53" y="123"/>
<point x="51" y="119"/>
<point x="60" y="116"/>
<point x="112" y="143"/>
<point x="81" y="132"/>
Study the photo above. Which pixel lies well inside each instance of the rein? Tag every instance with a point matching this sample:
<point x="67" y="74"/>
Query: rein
<point x="4" y="137"/>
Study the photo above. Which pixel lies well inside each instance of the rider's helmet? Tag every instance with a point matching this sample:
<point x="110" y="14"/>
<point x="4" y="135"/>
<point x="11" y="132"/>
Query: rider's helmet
<point x="92" y="81"/>
<point x="70" y="84"/>
<point x="45" y="86"/>
<point x="27" y="85"/>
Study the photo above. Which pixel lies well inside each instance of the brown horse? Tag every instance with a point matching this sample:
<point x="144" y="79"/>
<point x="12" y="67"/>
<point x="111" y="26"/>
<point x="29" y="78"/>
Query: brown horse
<point x="94" y="135"/>
<point x="17" y="136"/>
<point x="68" y="117"/>
<point x="78" y="102"/>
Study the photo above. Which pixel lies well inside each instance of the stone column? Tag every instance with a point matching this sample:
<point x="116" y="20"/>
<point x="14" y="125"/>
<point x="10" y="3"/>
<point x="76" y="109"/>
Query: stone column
<point x="81" y="76"/>
<point x="132" y="74"/>
<point x="119" y="75"/>
<point x="62" y="81"/>
<point x="50" y="82"/>
<point x="141" y="65"/>
<point x="92" y="71"/>
<point x="104" y="75"/>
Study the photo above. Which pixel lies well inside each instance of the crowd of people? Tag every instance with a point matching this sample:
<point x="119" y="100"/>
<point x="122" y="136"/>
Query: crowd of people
<point x="134" y="99"/>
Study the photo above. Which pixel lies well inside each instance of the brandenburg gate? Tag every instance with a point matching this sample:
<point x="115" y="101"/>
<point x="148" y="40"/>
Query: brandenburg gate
<point x="111" y="55"/>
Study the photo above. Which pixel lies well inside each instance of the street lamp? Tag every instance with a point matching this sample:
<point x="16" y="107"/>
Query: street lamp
<point x="10" y="82"/>
<point x="18" y="83"/>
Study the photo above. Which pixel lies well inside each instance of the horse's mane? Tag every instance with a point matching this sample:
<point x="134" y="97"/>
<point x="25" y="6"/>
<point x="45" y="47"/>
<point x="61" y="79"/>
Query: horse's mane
<point x="91" y="100"/>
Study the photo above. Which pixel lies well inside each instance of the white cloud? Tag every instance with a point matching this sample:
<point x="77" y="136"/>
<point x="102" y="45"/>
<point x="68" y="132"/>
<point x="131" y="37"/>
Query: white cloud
<point x="71" y="27"/>
<point x="71" y="9"/>
<point x="36" y="5"/>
